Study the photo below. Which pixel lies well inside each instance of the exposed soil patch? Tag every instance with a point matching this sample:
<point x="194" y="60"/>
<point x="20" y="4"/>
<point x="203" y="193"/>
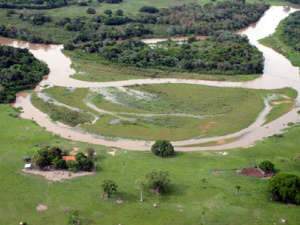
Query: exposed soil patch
<point x="254" y="172"/>
<point x="57" y="175"/>
<point x="41" y="208"/>
<point x="206" y="127"/>
<point x="281" y="102"/>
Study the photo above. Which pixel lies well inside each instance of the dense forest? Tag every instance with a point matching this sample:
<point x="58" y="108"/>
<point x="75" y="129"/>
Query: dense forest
<point x="105" y="32"/>
<point x="291" y="31"/>
<point x="91" y="31"/>
<point x="222" y="53"/>
<point x="19" y="70"/>
<point x="204" y="20"/>
<point x="47" y="4"/>
<point x="94" y="33"/>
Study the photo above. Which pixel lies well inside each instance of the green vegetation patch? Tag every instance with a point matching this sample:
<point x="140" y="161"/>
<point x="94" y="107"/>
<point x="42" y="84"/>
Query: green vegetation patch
<point x="286" y="39"/>
<point x="223" y="53"/>
<point x="202" y="184"/>
<point x="169" y="111"/>
<point x="90" y="67"/>
<point x="19" y="70"/>
<point x="62" y="114"/>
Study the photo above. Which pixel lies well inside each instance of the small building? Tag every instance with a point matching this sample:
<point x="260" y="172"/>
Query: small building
<point x="69" y="158"/>
<point x="28" y="166"/>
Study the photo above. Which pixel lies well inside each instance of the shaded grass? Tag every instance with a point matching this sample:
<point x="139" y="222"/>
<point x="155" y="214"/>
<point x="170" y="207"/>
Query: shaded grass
<point x="191" y="201"/>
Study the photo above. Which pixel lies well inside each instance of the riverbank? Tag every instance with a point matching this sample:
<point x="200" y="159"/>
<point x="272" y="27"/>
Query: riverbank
<point x="275" y="41"/>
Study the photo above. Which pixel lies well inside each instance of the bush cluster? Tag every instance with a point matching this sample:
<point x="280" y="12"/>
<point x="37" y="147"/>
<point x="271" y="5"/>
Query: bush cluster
<point x="52" y="158"/>
<point x="285" y="188"/>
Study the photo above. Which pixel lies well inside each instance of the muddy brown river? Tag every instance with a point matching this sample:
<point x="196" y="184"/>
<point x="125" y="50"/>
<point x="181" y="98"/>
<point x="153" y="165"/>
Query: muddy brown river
<point x="278" y="73"/>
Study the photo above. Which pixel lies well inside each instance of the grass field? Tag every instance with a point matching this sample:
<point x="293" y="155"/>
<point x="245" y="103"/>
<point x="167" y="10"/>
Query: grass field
<point x="217" y="105"/>
<point x="191" y="201"/>
<point x="275" y="42"/>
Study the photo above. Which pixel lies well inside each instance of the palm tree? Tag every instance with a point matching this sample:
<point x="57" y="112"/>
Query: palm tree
<point x="141" y="186"/>
<point x="238" y="188"/>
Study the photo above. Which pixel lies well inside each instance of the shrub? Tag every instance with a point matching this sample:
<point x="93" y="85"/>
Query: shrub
<point x="91" y="11"/>
<point x="158" y="181"/>
<point x="285" y="188"/>
<point x="109" y="187"/>
<point x="73" y="166"/>
<point x="267" y="166"/>
<point x="41" y="159"/>
<point x="163" y="148"/>
<point x="113" y="1"/>
<point x="149" y="9"/>
<point x="74" y="218"/>
<point x="84" y="163"/>
<point x="116" y="20"/>
<point x="90" y="153"/>
<point x="59" y="164"/>
<point x="47" y="156"/>
<point x="83" y="3"/>
<point x="108" y="12"/>
<point x="120" y="12"/>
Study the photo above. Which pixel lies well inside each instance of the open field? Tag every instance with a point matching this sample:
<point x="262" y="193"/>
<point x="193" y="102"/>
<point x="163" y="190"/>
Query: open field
<point x="191" y="202"/>
<point x="168" y="111"/>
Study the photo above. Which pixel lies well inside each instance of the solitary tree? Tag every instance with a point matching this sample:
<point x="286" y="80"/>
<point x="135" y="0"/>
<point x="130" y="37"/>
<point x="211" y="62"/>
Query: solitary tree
<point x="90" y="153"/>
<point x="141" y="186"/>
<point x="285" y="188"/>
<point x="163" y="148"/>
<point x="91" y="11"/>
<point x="238" y="188"/>
<point x="267" y="166"/>
<point x="158" y="181"/>
<point x="109" y="187"/>
<point x="108" y="12"/>
<point x="120" y="12"/>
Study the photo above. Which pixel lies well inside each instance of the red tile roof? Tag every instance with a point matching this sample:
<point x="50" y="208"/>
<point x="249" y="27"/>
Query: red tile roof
<point x="69" y="158"/>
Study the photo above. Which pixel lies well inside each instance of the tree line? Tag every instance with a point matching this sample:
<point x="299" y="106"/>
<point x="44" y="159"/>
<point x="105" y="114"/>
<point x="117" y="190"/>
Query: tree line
<point x="206" y="19"/>
<point x="19" y="70"/>
<point x="34" y="4"/>
<point x="224" y="52"/>
<point x="22" y="34"/>
<point x="291" y="31"/>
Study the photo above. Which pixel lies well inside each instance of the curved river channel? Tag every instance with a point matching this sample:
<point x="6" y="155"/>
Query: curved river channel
<point x="278" y="73"/>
